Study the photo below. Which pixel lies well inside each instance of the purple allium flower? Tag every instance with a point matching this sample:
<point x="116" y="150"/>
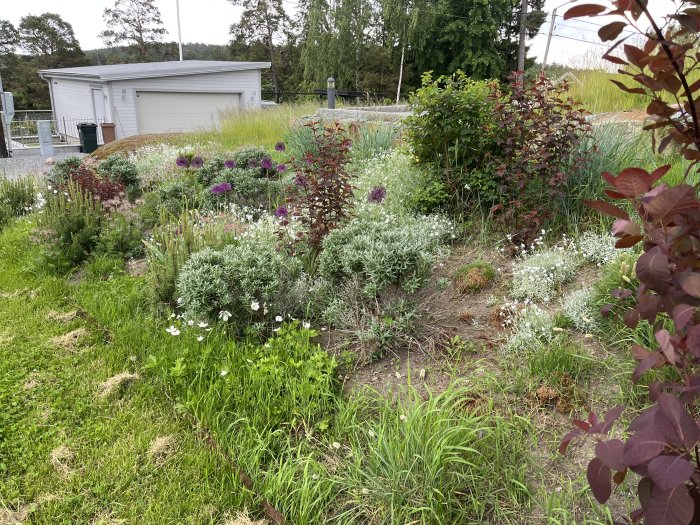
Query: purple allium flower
<point x="182" y="162"/>
<point x="300" y="180"/>
<point x="230" y="164"/>
<point x="197" y="162"/>
<point x="377" y="194"/>
<point x="281" y="212"/>
<point x="221" y="188"/>
<point x="266" y="163"/>
<point x="280" y="146"/>
<point x="281" y="168"/>
<point x="253" y="163"/>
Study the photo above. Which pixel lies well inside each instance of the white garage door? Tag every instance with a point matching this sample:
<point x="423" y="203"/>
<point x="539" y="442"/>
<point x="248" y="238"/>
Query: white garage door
<point x="160" y="112"/>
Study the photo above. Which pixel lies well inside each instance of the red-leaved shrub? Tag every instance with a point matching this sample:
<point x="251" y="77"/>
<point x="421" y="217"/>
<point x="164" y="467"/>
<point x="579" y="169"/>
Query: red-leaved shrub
<point x="663" y="443"/>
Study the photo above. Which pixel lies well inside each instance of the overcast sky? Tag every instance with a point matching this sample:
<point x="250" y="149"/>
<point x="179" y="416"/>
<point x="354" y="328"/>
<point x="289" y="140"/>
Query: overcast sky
<point x="575" y="41"/>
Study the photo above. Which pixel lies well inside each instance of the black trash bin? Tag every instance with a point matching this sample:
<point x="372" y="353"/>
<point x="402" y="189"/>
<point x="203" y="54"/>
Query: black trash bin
<point x="88" y="137"/>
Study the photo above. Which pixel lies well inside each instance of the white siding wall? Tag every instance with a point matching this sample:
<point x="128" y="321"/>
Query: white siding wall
<point x="72" y="101"/>
<point x="122" y="93"/>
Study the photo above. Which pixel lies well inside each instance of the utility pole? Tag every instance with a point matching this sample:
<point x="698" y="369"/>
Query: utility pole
<point x="549" y="40"/>
<point x="523" y="37"/>
<point x="179" y="33"/>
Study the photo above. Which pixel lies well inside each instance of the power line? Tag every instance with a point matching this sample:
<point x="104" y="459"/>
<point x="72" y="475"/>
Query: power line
<point x="576" y="39"/>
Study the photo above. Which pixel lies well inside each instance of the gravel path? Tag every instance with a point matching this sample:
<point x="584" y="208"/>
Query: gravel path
<point x="26" y="165"/>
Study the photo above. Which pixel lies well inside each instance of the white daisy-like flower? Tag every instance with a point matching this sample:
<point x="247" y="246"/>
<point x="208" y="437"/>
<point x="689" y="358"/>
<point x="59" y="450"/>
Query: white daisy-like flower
<point x="307" y="325"/>
<point x="190" y="323"/>
<point x="278" y="318"/>
<point x="172" y="330"/>
<point x="202" y="324"/>
<point x="200" y="338"/>
<point x="255" y="306"/>
<point x="223" y="373"/>
<point x="224" y="315"/>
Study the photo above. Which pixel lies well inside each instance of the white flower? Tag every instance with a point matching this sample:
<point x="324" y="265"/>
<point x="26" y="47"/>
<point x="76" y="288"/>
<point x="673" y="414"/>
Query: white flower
<point x="278" y="318"/>
<point x="190" y="322"/>
<point x="371" y="433"/>
<point x="255" y="306"/>
<point x="403" y="418"/>
<point x="172" y="330"/>
<point x="202" y="324"/>
<point x="223" y="373"/>
<point x="307" y="325"/>
<point x="336" y="445"/>
<point x="224" y="315"/>
<point x="200" y="338"/>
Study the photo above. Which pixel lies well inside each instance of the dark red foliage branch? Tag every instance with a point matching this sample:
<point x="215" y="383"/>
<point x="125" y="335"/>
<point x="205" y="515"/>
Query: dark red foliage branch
<point x="100" y="188"/>
<point x="664" y="439"/>
<point x="540" y="131"/>
<point x="321" y="196"/>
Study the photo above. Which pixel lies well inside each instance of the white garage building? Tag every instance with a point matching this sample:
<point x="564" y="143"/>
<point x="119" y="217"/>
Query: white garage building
<point x="156" y="97"/>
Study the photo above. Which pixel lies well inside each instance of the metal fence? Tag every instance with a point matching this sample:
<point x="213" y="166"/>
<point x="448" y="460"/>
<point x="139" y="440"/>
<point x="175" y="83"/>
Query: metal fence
<point x="23" y="131"/>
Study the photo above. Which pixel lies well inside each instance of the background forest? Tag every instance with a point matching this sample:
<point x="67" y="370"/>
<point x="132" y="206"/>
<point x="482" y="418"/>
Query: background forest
<point x="367" y="45"/>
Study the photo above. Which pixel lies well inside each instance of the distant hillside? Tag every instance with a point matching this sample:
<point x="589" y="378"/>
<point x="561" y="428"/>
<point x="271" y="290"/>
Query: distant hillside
<point x="158" y="53"/>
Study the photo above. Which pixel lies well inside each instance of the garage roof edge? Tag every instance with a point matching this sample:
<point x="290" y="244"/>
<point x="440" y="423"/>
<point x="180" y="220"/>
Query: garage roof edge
<point x="151" y="70"/>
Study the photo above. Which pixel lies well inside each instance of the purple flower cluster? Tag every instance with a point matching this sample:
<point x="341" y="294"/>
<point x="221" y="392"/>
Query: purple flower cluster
<point x="266" y="163"/>
<point x="281" y="212"/>
<point x="253" y="163"/>
<point x="280" y="147"/>
<point x="197" y="162"/>
<point x="182" y="162"/>
<point x="377" y="195"/>
<point x="221" y="188"/>
<point x="300" y="180"/>
<point x="281" y="168"/>
<point x="230" y="164"/>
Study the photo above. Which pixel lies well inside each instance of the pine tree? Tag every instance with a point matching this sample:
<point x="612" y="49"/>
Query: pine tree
<point x="135" y="22"/>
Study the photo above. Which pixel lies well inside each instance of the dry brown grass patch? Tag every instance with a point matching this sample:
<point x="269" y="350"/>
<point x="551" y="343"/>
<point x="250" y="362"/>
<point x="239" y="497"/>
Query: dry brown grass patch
<point x="64" y="317"/>
<point x="162" y="448"/>
<point x="242" y="518"/>
<point x="70" y="340"/>
<point x="114" y="383"/>
<point x="21" y="514"/>
<point x="61" y="459"/>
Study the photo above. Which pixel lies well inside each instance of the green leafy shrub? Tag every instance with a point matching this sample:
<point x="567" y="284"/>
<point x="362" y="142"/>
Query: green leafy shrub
<point x="120" y="238"/>
<point x="247" y="189"/>
<point x="247" y="280"/>
<point x="61" y="171"/>
<point x="250" y="157"/>
<point x="175" y="239"/>
<point x="173" y="198"/>
<point x="370" y="141"/>
<point x="74" y="221"/>
<point x="104" y="267"/>
<point x="16" y="198"/>
<point x="384" y="251"/>
<point x="119" y="169"/>
<point x="453" y="128"/>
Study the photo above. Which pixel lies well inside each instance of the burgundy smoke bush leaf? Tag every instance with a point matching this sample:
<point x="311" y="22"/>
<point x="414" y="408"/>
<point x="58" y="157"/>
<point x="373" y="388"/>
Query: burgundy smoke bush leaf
<point x="681" y="315"/>
<point x="584" y="10"/>
<point x="600" y="480"/>
<point x="667" y="349"/>
<point x="671" y="201"/>
<point x="648" y="306"/>
<point x="611" y="31"/>
<point x="628" y="242"/>
<point x="653" y="268"/>
<point x="631" y="182"/>
<point x="654" y="360"/>
<point x="625" y="227"/>
<point x="610" y="453"/>
<point x="670" y="508"/>
<point x="667" y="472"/>
<point x="566" y="440"/>
<point x="690" y="284"/>
<point x="684" y="425"/>
<point x="608" y="209"/>
<point x="643" y="445"/>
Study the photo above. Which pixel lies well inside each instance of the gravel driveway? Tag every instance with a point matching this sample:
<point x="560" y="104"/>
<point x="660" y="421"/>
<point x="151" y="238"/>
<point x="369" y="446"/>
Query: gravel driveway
<point x="24" y="165"/>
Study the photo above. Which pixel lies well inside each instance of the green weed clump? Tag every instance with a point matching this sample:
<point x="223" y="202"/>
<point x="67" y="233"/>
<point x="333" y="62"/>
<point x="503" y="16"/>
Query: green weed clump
<point x="17" y="197"/>
<point x="474" y="276"/>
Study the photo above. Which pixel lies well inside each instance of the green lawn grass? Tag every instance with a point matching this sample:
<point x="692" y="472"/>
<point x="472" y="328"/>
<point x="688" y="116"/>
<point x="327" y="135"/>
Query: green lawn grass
<point x="49" y="398"/>
<point x="260" y="128"/>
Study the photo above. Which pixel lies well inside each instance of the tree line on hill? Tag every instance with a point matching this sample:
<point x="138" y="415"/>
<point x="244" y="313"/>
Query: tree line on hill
<point x="367" y="45"/>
